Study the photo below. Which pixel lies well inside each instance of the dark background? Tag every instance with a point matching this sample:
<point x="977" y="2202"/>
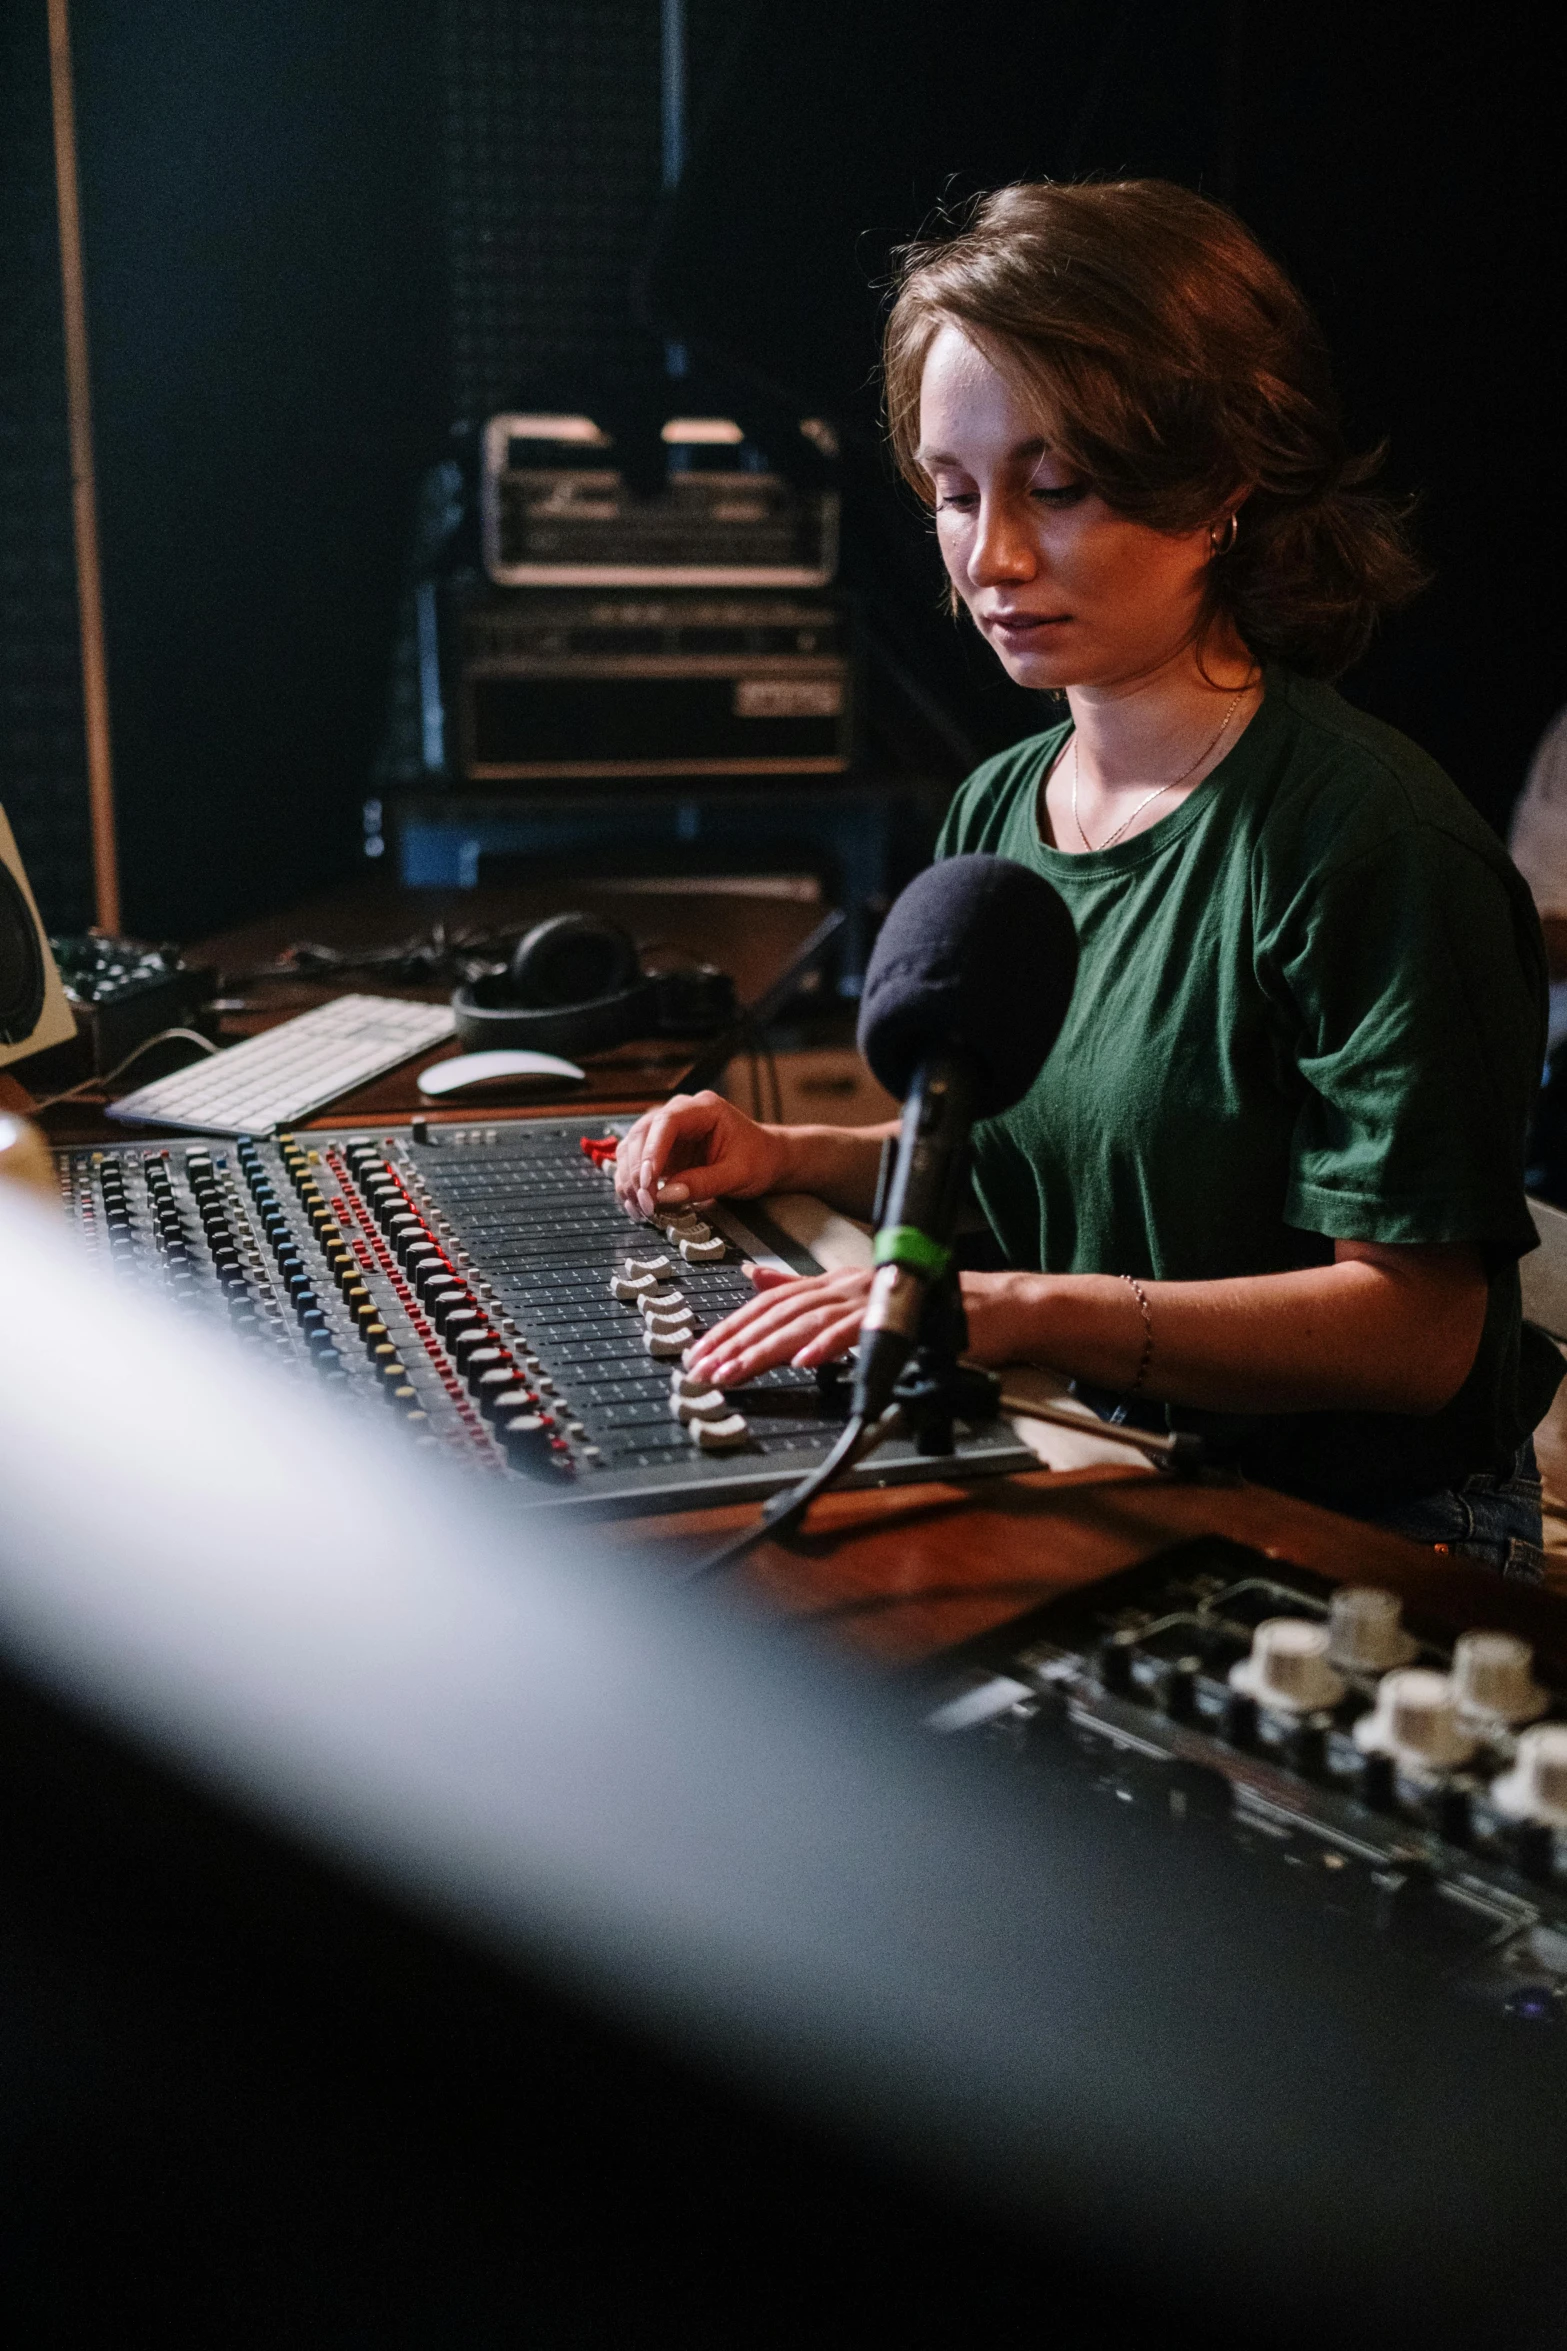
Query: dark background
<point x="317" y="237"/>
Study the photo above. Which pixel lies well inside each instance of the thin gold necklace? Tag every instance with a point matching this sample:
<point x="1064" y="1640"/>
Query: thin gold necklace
<point x="1159" y="791"/>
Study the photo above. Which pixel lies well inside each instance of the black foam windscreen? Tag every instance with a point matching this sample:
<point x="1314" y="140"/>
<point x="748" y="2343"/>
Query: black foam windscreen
<point x="977" y="959"/>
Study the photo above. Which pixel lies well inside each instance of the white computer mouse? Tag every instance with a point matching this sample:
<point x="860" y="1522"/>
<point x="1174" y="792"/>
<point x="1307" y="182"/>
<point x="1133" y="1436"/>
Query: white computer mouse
<point x="489" y="1069"/>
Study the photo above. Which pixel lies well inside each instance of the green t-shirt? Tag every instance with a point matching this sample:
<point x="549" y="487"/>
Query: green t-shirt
<point x="1310" y="1006"/>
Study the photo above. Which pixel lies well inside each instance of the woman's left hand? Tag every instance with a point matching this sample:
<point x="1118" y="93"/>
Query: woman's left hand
<point x="807" y="1319"/>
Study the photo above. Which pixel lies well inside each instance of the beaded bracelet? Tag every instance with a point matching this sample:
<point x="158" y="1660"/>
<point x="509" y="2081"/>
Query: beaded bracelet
<point x="1141" y="1295"/>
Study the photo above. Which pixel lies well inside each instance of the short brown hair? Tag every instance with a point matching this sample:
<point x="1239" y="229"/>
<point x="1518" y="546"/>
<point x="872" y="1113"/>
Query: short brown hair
<point x="1180" y="371"/>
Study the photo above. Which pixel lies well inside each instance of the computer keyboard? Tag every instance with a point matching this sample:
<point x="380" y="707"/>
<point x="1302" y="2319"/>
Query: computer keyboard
<point x="286" y="1072"/>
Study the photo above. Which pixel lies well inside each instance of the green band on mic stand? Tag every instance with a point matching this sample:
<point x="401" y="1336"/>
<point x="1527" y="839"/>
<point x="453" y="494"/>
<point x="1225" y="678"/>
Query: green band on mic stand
<point x="905" y="1244"/>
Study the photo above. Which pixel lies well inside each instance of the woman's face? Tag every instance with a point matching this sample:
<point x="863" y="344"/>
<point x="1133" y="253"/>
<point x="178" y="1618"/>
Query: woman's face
<point x="1068" y="592"/>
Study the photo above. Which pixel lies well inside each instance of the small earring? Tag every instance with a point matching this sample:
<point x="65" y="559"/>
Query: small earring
<point x="1222" y="537"/>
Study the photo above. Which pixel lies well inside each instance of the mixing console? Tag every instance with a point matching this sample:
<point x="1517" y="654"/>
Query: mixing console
<point x="1415" y="1788"/>
<point x="483" y="1285"/>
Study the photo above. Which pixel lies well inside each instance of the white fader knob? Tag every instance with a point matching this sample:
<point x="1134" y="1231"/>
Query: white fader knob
<point x="629" y="1287"/>
<point x="700" y="1404"/>
<point x="1416" y="1722"/>
<point x="1536" y="1787"/>
<point x="1366" y="1632"/>
<point x="1288" y="1667"/>
<point x="1494" y="1676"/>
<point x="720" y="1436"/>
<point x="667" y="1342"/>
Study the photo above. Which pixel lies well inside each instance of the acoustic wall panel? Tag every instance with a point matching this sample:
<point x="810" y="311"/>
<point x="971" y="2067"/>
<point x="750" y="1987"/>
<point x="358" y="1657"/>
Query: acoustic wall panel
<point x="553" y="155"/>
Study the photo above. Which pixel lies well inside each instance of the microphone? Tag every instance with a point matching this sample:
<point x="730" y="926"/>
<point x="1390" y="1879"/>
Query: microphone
<point x="964" y="997"/>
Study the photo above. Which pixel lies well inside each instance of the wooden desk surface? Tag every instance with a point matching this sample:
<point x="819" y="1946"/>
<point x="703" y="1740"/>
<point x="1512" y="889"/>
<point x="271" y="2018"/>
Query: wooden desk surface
<point x="901" y="1575"/>
<point x="753" y="936"/>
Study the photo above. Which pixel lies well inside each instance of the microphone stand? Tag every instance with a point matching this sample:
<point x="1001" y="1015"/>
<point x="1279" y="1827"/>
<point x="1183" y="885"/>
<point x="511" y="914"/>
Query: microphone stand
<point x="936" y="1388"/>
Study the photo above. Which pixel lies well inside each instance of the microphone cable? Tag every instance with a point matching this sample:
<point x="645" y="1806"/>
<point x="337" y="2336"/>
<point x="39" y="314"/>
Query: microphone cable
<point x="1178" y="1454"/>
<point x="782" y="1513"/>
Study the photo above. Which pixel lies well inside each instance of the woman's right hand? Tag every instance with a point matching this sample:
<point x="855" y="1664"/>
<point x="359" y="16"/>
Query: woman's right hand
<point x="695" y="1147"/>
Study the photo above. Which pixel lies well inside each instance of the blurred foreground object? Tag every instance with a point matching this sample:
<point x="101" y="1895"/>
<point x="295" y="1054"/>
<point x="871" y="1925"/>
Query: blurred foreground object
<point x="418" y="1928"/>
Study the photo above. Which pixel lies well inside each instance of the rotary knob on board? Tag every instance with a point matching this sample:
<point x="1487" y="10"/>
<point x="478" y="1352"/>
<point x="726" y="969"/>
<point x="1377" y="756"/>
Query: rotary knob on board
<point x="1493" y="1674"/>
<point x="1536" y="1787"/>
<point x="528" y="1437"/>
<point x="1416" y="1723"/>
<point x="1288" y="1668"/>
<point x="1366" y="1631"/>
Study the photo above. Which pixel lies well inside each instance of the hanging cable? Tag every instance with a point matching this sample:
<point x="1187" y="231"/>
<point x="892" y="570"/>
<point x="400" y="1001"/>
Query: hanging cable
<point x="784" y="1512"/>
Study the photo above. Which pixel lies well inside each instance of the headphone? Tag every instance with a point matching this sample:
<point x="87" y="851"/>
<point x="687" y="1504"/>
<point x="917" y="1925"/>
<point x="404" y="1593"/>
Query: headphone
<point x="575" y="984"/>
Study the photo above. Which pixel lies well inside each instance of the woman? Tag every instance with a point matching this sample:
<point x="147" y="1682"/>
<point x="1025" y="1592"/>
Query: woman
<point x="1270" y="1179"/>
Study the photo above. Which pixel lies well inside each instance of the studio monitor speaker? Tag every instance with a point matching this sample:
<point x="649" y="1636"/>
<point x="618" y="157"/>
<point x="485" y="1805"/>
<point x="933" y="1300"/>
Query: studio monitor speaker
<point x="33" y="1007"/>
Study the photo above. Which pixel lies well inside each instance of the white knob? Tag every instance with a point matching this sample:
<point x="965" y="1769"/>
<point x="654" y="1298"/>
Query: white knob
<point x="1288" y="1666"/>
<point x="629" y="1287"/>
<point x="1366" y="1632"/>
<point x="705" y="1404"/>
<point x="1536" y="1787"/>
<point x="720" y="1436"/>
<point x="1493" y="1675"/>
<point x="1416" y="1721"/>
<point x="667" y="1341"/>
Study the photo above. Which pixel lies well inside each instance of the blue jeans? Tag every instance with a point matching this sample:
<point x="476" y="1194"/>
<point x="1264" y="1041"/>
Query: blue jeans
<point x="1495" y="1520"/>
